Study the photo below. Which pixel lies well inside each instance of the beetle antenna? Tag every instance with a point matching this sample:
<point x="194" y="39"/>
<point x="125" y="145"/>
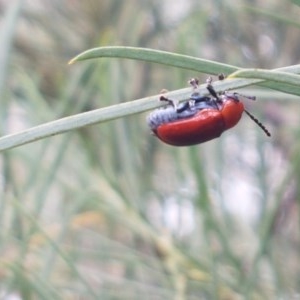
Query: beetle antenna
<point x="266" y="131"/>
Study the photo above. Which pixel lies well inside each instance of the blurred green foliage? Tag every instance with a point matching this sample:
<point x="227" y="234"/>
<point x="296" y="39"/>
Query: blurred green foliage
<point x="109" y="212"/>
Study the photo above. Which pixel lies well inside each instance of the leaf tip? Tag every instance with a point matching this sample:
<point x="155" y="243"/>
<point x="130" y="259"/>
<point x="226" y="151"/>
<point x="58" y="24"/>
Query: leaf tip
<point x="72" y="61"/>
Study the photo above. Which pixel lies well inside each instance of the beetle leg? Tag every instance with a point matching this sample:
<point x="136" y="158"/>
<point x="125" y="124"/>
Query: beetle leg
<point x="194" y="82"/>
<point x="237" y="96"/>
<point x="179" y="108"/>
<point x="211" y="89"/>
<point x="184" y="106"/>
<point x="221" y="76"/>
<point x="215" y="97"/>
<point x="247" y="97"/>
<point x="171" y="102"/>
<point x="209" y="80"/>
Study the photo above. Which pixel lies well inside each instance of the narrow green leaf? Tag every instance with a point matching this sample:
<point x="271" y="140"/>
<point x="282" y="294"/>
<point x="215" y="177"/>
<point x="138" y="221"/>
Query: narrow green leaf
<point x="74" y="122"/>
<point x="278" y="79"/>
<point x="185" y="62"/>
<point x="275" y="76"/>
<point x="157" y="56"/>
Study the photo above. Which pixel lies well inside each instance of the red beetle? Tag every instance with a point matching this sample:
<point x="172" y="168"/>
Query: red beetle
<point x="200" y="119"/>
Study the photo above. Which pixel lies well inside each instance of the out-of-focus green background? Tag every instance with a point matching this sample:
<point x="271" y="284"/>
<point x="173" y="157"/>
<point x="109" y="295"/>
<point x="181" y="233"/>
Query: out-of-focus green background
<point x="108" y="211"/>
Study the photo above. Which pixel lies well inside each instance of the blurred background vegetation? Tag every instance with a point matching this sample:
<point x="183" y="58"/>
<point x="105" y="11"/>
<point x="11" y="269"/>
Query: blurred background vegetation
<point x="108" y="211"/>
